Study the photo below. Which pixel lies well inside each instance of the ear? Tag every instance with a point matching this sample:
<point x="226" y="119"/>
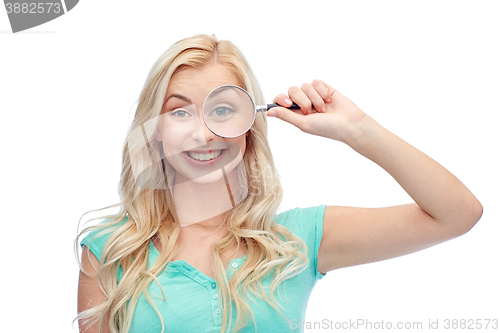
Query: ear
<point x="158" y="136"/>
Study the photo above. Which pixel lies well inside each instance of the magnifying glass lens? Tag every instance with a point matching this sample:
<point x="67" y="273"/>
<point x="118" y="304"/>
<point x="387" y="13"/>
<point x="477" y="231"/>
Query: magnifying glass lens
<point x="229" y="111"/>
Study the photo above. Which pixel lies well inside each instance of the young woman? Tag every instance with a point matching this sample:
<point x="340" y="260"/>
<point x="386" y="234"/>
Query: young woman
<point x="197" y="245"/>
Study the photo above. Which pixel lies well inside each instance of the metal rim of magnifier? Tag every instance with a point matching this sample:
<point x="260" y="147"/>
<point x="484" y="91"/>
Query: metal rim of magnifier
<point x="230" y="86"/>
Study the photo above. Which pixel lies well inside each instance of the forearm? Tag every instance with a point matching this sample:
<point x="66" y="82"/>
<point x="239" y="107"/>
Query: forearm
<point x="438" y="193"/>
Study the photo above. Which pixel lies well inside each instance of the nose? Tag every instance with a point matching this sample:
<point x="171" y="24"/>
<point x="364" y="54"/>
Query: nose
<point x="203" y="133"/>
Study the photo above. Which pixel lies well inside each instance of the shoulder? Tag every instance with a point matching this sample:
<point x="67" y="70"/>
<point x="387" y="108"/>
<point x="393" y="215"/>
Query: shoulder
<point x="99" y="234"/>
<point x="302" y="221"/>
<point x="307" y="224"/>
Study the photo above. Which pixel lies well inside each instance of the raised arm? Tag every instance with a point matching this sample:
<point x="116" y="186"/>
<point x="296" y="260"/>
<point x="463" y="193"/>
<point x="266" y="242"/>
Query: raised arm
<point x="444" y="208"/>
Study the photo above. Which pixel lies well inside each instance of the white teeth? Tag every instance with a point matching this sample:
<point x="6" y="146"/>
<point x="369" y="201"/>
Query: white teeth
<point x="205" y="157"/>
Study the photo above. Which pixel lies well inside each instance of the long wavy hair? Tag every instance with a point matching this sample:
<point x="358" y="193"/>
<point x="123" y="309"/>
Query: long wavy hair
<point x="147" y="213"/>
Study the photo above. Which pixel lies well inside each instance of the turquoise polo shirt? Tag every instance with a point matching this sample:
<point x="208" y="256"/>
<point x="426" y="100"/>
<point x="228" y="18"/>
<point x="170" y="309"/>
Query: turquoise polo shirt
<point x="192" y="299"/>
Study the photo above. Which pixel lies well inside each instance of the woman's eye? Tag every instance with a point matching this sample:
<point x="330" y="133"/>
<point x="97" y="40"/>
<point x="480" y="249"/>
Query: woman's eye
<point x="180" y="113"/>
<point x="221" y="111"/>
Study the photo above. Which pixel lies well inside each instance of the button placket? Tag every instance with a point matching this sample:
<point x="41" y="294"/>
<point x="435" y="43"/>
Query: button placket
<point x="215" y="294"/>
<point x="216" y="303"/>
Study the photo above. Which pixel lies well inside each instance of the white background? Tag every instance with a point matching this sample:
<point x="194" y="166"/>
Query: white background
<point x="426" y="70"/>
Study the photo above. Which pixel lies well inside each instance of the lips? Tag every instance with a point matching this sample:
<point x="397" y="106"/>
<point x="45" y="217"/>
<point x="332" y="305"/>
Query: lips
<point x="204" y="157"/>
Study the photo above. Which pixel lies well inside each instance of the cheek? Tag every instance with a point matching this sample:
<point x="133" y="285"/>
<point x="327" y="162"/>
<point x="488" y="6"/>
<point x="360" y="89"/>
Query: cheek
<point x="243" y="145"/>
<point x="172" y="139"/>
<point x="241" y="142"/>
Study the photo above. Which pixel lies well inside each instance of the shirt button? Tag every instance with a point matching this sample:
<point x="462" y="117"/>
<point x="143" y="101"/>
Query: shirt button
<point x="234" y="265"/>
<point x="217" y="310"/>
<point x="214" y="285"/>
<point x="215" y="296"/>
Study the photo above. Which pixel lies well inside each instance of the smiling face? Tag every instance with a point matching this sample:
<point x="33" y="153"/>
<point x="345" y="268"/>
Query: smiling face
<point x="189" y="146"/>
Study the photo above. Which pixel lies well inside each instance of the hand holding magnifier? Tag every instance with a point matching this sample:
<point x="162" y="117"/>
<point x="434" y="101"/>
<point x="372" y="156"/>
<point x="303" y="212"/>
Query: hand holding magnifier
<point x="229" y="111"/>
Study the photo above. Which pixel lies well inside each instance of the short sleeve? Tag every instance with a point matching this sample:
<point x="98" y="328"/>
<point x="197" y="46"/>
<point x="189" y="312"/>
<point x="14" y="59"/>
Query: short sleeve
<point x="307" y="223"/>
<point x="97" y="238"/>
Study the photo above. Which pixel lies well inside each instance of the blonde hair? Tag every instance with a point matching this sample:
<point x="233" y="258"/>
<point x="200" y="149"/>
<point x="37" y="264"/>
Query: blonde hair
<point x="270" y="246"/>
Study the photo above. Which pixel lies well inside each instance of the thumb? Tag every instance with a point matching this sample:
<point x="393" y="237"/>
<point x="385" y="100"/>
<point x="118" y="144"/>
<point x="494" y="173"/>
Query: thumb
<point x="294" y="118"/>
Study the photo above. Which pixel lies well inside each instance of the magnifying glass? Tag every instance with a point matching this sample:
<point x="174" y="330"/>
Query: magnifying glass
<point x="229" y="111"/>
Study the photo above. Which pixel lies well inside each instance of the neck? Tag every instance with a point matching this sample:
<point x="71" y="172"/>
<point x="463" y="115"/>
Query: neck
<point x="205" y="204"/>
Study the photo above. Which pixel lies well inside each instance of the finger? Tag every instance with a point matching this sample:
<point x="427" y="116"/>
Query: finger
<point x="314" y="97"/>
<point x="322" y="89"/>
<point x="283" y="100"/>
<point x="300" y="98"/>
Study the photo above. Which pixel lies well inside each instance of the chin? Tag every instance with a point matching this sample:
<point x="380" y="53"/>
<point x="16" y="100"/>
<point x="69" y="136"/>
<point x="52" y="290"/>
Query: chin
<point x="209" y="178"/>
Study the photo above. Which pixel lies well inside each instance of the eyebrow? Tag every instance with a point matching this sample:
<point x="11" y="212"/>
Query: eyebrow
<point x="233" y="91"/>
<point x="184" y="98"/>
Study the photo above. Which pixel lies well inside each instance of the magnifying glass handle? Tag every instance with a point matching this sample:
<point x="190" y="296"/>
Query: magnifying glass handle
<point x="292" y="107"/>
